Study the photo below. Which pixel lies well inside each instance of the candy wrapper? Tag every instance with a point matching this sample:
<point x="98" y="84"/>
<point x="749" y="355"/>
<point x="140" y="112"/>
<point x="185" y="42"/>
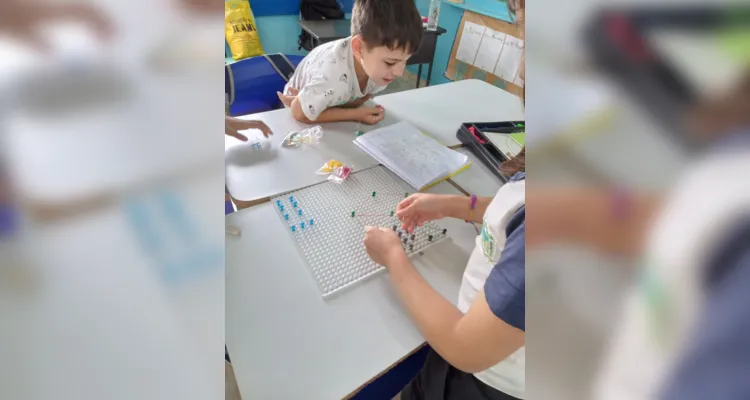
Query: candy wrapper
<point x="340" y="174"/>
<point x="336" y="170"/>
<point x="310" y="135"/>
<point x="329" y="167"/>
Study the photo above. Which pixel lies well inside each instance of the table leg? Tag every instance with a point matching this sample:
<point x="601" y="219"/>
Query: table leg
<point x="419" y="75"/>
<point x="429" y="74"/>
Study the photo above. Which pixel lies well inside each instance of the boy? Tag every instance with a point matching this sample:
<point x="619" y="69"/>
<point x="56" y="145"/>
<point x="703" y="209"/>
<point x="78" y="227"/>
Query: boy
<point x="337" y="77"/>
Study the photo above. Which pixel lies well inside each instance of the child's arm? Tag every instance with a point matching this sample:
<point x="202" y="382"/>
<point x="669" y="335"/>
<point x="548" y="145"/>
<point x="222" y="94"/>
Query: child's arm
<point x="596" y="217"/>
<point x="358" y="102"/>
<point x="333" y="114"/>
<point x="369" y="115"/>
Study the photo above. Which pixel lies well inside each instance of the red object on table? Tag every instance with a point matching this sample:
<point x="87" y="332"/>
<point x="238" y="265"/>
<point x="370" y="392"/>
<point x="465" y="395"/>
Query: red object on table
<point x="474" y="133"/>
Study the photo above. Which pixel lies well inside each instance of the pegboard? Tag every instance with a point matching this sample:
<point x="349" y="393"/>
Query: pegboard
<point x="330" y="239"/>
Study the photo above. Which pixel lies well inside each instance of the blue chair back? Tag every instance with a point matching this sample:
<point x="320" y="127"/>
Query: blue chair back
<point x="253" y="82"/>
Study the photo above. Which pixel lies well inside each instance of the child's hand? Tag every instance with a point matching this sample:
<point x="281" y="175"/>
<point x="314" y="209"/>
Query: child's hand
<point x="287" y="99"/>
<point x="382" y="245"/>
<point x="25" y="19"/>
<point x="371" y="115"/>
<point x="232" y="126"/>
<point x="202" y="6"/>
<point x="420" y="208"/>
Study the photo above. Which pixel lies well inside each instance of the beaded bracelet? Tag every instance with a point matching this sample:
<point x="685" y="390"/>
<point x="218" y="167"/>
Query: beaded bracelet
<point x="472" y="206"/>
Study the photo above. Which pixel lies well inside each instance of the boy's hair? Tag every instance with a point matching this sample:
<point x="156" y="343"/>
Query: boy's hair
<point x="390" y="23"/>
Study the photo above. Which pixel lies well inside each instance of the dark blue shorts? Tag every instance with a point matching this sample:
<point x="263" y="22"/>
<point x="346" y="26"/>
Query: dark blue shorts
<point x="439" y="380"/>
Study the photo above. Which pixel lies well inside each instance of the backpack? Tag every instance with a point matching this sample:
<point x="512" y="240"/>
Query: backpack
<point x="316" y="10"/>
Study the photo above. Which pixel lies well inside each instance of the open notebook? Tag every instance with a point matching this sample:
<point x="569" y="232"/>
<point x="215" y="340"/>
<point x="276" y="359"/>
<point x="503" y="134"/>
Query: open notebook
<point x="414" y="157"/>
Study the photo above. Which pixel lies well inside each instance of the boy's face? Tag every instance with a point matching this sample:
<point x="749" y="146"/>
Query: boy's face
<point x="380" y="63"/>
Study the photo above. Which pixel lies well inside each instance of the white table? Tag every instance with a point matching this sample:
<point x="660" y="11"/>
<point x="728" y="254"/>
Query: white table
<point x="256" y="174"/>
<point x="99" y="320"/>
<point x="478" y="179"/>
<point x="437" y="110"/>
<point x="286" y="342"/>
<point x="441" y="109"/>
<point x="132" y="136"/>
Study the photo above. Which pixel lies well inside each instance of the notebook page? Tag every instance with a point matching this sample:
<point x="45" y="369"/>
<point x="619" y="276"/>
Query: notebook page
<point x="416" y="158"/>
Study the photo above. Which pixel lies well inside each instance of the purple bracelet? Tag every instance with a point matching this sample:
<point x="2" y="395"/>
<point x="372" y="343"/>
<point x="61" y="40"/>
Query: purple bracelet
<point x="472" y="206"/>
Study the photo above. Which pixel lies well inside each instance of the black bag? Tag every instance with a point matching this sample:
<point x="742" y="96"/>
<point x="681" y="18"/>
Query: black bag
<point x="316" y="10"/>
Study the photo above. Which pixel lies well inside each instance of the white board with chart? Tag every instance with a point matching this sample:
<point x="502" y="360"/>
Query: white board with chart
<point x="488" y="49"/>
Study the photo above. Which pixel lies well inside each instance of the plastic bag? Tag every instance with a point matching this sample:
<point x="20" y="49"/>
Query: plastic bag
<point x="336" y="170"/>
<point x="310" y="136"/>
<point x="241" y="30"/>
<point x="340" y="174"/>
<point x="329" y="167"/>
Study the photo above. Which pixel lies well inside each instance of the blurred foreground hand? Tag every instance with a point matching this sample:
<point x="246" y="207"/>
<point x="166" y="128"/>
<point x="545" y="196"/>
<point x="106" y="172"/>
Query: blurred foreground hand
<point x="202" y="6"/>
<point x="602" y="219"/>
<point x="232" y="126"/>
<point x="24" y="18"/>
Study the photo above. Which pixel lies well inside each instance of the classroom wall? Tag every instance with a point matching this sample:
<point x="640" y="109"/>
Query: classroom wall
<point x="278" y="33"/>
<point x="450" y="18"/>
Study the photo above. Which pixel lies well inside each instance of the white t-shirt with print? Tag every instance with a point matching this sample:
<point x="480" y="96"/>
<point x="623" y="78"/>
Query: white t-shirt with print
<point x="661" y="312"/>
<point x="509" y="375"/>
<point x="326" y="78"/>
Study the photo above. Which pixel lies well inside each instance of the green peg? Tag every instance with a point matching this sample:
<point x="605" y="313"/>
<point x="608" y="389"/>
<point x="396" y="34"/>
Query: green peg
<point x="352" y="213"/>
<point x="391" y="213"/>
<point x="373" y="194"/>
